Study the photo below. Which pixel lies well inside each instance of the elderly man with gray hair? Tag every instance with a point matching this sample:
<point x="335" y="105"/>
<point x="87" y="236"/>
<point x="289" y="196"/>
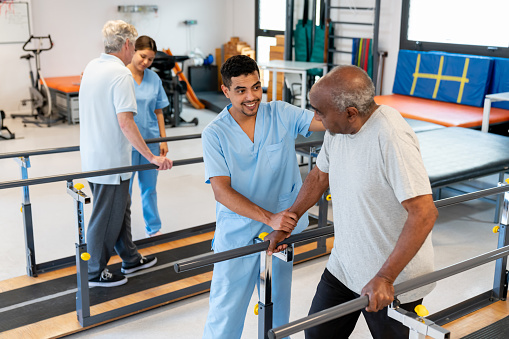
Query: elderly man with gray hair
<point x="382" y="205"/>
<point x="107" y="105"/>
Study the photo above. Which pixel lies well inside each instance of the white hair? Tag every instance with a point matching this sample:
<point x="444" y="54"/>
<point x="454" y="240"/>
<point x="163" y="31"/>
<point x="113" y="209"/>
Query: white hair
<point x="359" y="95"/>
<point x="115" y="34"/>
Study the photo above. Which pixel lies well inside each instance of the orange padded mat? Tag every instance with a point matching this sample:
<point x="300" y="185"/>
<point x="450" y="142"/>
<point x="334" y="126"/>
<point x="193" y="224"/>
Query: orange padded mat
<point x="69" y="84"/>
<point x="439" y="112"/>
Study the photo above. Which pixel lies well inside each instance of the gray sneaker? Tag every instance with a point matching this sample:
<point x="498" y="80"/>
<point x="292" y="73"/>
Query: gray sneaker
<point x="107" y="279"/>
<point x="145" y="262"/>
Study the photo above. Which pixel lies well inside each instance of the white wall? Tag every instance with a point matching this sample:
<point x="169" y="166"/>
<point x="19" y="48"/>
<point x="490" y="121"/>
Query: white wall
<point x="390" y="25"/>
<point x="75" y="27"/>
<point x="243" y="20"/>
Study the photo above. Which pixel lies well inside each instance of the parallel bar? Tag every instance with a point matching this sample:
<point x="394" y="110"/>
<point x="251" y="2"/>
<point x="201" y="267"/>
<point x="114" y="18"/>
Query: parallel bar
<point x="77" y="148"/>
<point x="361" y="302"/>
<point x="353" y="8"/>
<point x="39" y="152"/>
<point x="343" y="37"/>
<point x="238" y="252"/>
<point x="242" y="251"/>
<point x="352" y="23"/>
<point x="333" y="50"/>
<point x="471" y="196"/>
<point x="89" y="174"/>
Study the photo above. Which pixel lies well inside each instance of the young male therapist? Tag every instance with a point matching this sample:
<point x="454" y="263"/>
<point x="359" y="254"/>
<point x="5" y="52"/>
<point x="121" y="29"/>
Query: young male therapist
<point x="250" y="161"/>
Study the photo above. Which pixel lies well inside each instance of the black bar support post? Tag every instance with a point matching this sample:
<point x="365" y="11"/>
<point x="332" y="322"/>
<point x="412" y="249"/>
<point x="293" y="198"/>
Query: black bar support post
<point x="323" y="208"/>
<point x="83" y="294"/>
<point x="501" y="274"/>
<point x="26" y="210"/>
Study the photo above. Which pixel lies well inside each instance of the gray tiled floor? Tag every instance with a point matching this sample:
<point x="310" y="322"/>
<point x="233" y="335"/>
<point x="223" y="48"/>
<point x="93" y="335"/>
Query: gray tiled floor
<point x="462" y="231"/>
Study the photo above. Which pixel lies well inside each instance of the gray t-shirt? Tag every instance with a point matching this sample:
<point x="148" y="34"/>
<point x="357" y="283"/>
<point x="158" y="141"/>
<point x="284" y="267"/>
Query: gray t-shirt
<point x="370" y="174"/>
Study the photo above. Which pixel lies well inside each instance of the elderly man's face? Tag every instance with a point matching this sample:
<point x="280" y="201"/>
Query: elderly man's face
<point x="333" y="120"/>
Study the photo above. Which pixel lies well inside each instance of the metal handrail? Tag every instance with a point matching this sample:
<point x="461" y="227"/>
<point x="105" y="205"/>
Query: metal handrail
<point x="242" y="251"/>
<point x="471" y="196"/>
<point x="77" y="148"/>
<point x="90" y="174"/>
<point x="362" y="302"/>
<point x="329" y="230"/>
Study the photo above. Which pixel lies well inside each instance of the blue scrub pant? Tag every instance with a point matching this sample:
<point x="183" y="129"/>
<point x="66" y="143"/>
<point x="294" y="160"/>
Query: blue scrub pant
<point x="147" y="181"/>
<point x="233" y="283"/>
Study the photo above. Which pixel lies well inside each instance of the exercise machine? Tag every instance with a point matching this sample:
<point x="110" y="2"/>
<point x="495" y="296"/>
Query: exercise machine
<point x="174" y="88"/>
<point x="4" y="128"/>
<point x="40" y="97"/>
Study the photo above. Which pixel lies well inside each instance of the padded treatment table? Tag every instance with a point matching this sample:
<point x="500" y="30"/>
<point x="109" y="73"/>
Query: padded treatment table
<point x="64" y="93"/>
<point x="422" y="126"/>
<point x="456" y="154"/>
<point x="439" y="112"/>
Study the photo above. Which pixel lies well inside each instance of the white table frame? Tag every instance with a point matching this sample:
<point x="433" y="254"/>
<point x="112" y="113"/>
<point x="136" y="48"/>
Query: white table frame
<point x="285" y="66"/>
<point x="488" y="99"/>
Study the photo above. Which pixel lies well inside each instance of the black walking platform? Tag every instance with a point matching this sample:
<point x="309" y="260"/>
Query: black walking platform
<point x="52" y="298"/>
<point x="497" y="330"/>
<point x="46" y="302"/>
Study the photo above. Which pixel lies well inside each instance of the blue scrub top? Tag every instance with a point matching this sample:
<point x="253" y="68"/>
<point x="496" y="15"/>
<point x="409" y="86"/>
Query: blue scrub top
<point x="264" y="171"/>
<point x="150" y="96"/>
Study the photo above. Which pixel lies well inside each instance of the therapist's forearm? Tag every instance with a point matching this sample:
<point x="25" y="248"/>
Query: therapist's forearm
<point x="241" y="205"/>
<point x="238" y="203"/>
<point x="132" y="133"/>
<point x="160" y="122"/>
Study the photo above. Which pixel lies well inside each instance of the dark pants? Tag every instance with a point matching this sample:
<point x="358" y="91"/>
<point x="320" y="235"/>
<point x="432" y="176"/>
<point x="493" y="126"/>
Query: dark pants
<point x="110" y="227"/>
<point x="331" y="292"/>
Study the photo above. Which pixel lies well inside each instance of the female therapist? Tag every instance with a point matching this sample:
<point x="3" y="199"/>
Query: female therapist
<point x="151" y="99"/>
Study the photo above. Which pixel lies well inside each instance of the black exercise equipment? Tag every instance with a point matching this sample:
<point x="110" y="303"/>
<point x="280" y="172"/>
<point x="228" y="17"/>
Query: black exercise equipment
<point x="40" y="97"/>
<point x="4" y="128"/>
<point x="174" y="88"/>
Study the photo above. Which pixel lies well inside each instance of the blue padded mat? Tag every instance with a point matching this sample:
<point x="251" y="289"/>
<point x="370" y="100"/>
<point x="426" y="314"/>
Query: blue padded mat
<point x="456" y="78"/>
<point x="500" y="80"/>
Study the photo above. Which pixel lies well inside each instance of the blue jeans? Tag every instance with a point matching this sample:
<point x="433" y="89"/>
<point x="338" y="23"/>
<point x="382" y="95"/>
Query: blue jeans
<point x="147" y="181"/>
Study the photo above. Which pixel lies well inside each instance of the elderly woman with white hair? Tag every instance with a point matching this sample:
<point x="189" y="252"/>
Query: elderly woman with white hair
<point x="107" y="106"/>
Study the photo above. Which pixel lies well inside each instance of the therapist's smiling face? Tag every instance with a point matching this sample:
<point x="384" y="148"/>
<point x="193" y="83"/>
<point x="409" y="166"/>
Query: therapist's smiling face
<point x="245" y="93"/>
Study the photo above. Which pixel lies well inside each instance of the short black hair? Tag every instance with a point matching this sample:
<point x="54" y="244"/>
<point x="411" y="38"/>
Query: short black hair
<point x="236" y="66"/>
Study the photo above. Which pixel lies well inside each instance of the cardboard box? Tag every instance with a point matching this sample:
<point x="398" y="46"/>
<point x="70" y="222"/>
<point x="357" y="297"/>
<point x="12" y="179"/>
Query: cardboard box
<point x="280" y="40"/>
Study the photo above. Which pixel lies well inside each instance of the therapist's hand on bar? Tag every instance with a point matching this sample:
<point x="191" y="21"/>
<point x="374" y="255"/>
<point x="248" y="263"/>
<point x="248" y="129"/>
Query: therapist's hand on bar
<point x="283" y="221"/>
<point x="276" y="237"/>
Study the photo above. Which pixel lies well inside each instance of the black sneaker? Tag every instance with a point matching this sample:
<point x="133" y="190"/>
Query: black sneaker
<point x="107" y="279"/>
<point x="145" y="262"/>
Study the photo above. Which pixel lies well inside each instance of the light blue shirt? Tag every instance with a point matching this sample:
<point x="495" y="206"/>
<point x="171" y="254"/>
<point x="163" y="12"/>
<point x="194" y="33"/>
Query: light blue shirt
<point x="150" y="96"/>
<point x="106" y="89"/>
<point x="264" y="171"/>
